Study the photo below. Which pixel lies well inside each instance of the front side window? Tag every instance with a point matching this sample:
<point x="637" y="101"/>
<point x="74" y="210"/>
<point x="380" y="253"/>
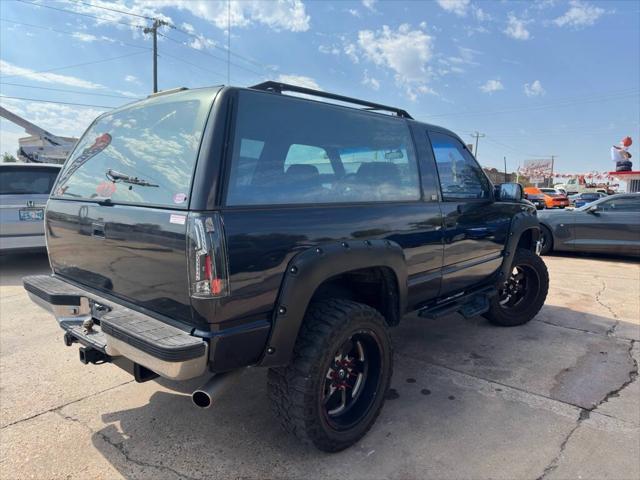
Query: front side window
<point x="317" y="153"/>
<point x="460" y="175"/>
<point x="18" y="180"/>
<point x="144" y="154"/>
<point x="624" y="204"/>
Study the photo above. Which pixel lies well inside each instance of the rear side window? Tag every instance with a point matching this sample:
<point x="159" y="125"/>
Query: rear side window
<point x="316" y="153"/>
<point x="460" y="175"/>
<point x="27" y="180"/>
<point x="144" y="154"/>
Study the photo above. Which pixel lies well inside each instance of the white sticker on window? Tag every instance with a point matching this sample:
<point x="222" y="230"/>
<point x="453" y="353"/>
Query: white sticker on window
<point x="178" y="219"/>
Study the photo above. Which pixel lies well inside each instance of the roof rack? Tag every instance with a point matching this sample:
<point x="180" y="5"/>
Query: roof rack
<point x="167" y="92"/>
<point x="278" y="87"/>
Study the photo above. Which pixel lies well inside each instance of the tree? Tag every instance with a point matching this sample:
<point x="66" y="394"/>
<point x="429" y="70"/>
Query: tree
<point x="8" y="158"/>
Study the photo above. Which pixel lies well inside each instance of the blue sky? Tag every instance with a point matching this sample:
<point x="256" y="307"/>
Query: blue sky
<point x="537" y="78"/>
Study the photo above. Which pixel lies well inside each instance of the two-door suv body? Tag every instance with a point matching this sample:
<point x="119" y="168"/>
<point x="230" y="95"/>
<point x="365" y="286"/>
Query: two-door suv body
<point x="208" y="230"/>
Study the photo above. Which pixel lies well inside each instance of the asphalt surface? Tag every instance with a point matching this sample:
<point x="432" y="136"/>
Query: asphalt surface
<point x="556" y="398"/>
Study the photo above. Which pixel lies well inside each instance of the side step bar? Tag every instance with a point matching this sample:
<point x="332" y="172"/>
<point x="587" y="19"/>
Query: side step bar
<point x="468" y="305"/>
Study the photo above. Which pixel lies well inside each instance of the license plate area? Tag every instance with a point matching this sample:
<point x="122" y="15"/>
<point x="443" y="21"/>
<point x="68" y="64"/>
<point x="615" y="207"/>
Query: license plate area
<point x="31" y="214"/>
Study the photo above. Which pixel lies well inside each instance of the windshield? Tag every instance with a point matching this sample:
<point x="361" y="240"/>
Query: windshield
<point x="27" y="180"/>
<point x="151" y="146"/>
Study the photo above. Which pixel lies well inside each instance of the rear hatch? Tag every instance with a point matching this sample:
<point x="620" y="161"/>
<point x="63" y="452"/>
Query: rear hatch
<point x="117" y="218"/>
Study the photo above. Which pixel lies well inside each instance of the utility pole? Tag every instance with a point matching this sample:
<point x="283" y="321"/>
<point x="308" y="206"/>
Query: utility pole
<point x="477" y="135"/>
<point x="505" y="170"/>
<point x="154" y="29"/>
<point x="553" y="158"/>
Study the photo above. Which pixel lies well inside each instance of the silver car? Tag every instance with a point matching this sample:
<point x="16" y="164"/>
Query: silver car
<point x="24" y="190"/>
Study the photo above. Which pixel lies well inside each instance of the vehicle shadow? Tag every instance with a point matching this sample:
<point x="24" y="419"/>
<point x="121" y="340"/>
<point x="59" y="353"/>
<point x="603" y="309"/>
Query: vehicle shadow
<point x="554" y="356"/>
<point x="17" y="265"/>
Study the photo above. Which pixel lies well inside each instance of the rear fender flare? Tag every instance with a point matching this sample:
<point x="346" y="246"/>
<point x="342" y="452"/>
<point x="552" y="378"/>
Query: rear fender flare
<point x="308" y="270"/>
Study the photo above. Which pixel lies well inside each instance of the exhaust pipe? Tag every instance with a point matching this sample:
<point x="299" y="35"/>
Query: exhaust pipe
<point x="203" y="397"/>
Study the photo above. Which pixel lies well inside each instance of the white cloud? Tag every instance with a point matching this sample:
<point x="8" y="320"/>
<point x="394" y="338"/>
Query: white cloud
<point x="299" y="80"/>
<point x="354" y="12"/>
<point x="459" y="7"/>
<point x="580" y="14"/>
<point x="491" y="86"/>
<point x="278" y="15"/>
<point x="350" y="51"/>
<point x="131" y="79"/>
<point x="516" y="28"/>
<point x="370" y="81"/>
<point x="201" y="42"/>
<point x="480" y="14"/>
<point x="187" y="27"/>
<point x="329" y="49"/>
<point x="84" y="37"/>
<point x="534" y="90"/>
<point x="370" y="4"/>
<point x="406" y="52"/>
<point x="9" y="70"/>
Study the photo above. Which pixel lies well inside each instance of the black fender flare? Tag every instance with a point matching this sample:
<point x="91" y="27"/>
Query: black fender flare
<point x="520" y="223"/>
<point x="308" y="270"/>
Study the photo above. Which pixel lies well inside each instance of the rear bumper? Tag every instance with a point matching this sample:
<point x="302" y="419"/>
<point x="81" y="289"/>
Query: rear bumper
<point x="117" y="331"/>
<point x="17" y="243"/>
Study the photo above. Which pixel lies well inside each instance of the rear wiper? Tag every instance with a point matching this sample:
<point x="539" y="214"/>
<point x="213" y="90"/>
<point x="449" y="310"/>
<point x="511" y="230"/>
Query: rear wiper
<point x="121" y="177"/>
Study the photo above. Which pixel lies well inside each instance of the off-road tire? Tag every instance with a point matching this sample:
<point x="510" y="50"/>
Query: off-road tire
<point x="547" y="244"/>
<point x="535" y="293"/>
<point x="296" y="391"/>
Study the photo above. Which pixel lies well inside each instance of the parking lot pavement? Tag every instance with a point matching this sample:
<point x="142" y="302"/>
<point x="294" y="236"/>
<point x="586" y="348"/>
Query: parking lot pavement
<point x="557" y="398"/>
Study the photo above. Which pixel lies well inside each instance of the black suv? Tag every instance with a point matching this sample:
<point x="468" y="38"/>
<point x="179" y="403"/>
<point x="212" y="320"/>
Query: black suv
<point x="213" y="229"/>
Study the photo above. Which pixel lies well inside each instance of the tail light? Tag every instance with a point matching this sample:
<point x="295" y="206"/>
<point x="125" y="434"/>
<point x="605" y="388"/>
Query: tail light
<point x="207" y="256"/>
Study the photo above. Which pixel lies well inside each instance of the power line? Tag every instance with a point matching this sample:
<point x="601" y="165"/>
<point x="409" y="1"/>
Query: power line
<point x="260" y="74"/>
<point x="568" y="103"/>
<point x="113" y="10"/>
<point x="59" y="103"/>
<point x="66" y="32"/>
<point x="67" y="91"/>
<point x="71" y="66"/>
<point x="79" y="13"/>
<point x="164" y="54"/>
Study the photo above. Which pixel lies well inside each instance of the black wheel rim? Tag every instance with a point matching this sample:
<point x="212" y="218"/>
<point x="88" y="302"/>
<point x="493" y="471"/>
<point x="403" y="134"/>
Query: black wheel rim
<point x="520" y="289"/>
<point x="352" y="381"/>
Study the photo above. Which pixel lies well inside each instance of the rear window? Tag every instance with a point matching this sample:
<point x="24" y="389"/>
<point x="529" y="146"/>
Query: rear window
<point x="144" y="154"/>
<point x="27" y="180"/>
<point x="293" y="151"/>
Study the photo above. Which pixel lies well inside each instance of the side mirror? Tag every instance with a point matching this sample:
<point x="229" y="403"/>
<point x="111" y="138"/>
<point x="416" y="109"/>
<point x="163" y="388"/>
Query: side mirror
<point x="510" y="192"/>
<point x="593" y="209"/>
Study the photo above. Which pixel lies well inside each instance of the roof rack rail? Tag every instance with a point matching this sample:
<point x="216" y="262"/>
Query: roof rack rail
<point x="278" y="87"/>
<point x="167" y="92"/>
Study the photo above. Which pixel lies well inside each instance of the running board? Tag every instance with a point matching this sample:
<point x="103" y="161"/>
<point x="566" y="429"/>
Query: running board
<point x="469" y="305"/>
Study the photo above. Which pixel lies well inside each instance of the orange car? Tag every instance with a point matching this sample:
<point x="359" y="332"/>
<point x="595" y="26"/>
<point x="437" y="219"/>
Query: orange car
<point x="552" y="197"/>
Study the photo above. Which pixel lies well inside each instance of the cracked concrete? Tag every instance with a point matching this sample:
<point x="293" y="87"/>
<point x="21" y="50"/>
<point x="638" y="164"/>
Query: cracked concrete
<point x="554" y="399"/>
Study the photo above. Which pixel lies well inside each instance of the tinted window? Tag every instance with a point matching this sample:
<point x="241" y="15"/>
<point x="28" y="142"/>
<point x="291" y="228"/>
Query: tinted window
<point x="317" y="153"/>
<point x="155" y="142"/>
<point x="460" y="175"/>
<point x="27" y="180"/>
<point x="624" y="204"/>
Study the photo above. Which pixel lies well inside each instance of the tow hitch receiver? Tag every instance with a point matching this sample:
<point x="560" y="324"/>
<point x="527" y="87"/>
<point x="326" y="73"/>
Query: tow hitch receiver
<point x="91" y="355"/>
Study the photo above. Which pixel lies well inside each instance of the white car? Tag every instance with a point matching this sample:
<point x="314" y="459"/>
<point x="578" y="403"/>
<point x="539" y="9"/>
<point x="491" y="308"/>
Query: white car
<point x="24" y="191"/>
